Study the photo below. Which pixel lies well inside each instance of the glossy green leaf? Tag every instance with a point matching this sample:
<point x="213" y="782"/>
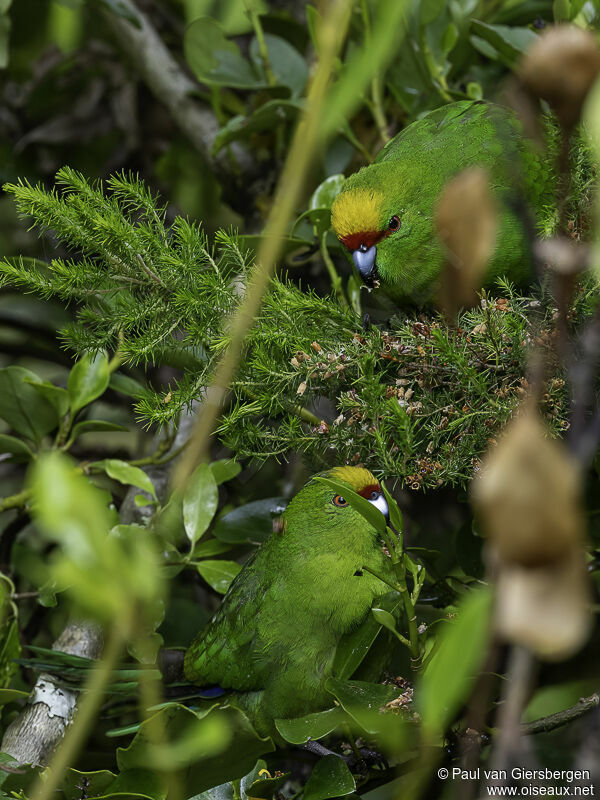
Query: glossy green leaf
<point x="396" y="519"/>
<point x="264" y="118"/>
<point x="288" y="66"/>
<point x="362" y="700"/>
<point x="384" y="618"/>
<point x="57" y="396"/>
<point x="266" y="787"/>
<point x="102" y="784"/>
<point x="16" y="447"/>
<point x="353" y="648"/>
<point x="13" y="696"/>
<point x="124" y="384"/>
<point x="330" y="778"/>
<point x="93" y="426"/>
<point x="225" y="470"/>
<point x="126" y="474"/>
<point x="312" y="726"/>
<point x="449" y="675"/>
<point x="252" y="522"/>
<point x="200" y="502"/>
<point x="326" y="192"/>
<point x="510" y="42"/>
<point x="216" y="60"/>
<point x="219" y="745"/>
<point x="367" y="510"/>
<point x="210" y="547"/>
<point x="88" y="380"/>
<point x="26" y="411"/>
<point x="218" y="574"/>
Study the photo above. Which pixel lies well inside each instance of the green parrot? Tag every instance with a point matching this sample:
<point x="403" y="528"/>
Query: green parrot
<point x="384" y="213"/>
<point x="273" y="639"/>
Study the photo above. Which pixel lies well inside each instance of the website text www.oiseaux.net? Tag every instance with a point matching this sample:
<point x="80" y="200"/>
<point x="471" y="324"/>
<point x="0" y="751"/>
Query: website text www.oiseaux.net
<point x="531" y="782"/>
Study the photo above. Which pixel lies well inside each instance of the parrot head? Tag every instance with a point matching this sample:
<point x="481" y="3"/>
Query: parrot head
<point x="322" y="506"/>
<point x="389" y="234"/>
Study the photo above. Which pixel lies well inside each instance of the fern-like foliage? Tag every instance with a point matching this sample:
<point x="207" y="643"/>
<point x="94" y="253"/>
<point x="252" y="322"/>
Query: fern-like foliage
<point x="418" y="402"/>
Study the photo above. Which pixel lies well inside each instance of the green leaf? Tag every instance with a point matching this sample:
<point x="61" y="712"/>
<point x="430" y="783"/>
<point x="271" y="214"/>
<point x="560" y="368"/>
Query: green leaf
<point x="449" y="675"/>
<point x="218" y="574"/>
<point x="508" y="41"/>
<point x="217" y="61"/>
<point x="288" y="66"/>
<point x="267" y="787"/>
<point x="326" y="192"/>
<point x="362" y="700"/>
<point x="384" y="618"/>
<point x="10" y="649"/>
<point x="367" y="510"/>
<point x="103" y="784"/>
<point x="57" y="396"/>
<point x="225" y="470"/>
<point x="4" y="40"/>
<point x="218" y="745"/>
<point x="16" y="447"/>
<point x="252" y="522"/>
<point x="88" y="380"/>
<point x="354" y="646"/>
<point x="200" y="502"/>
<point x="329" y="778"/>
<point x="210" y="547"/>
<point x="313" y="726"/>
<point x="126" y="385"/>
<point x="94" y="425"/>
<point x="12" y="696"/>
<point x="396" y="519"/>
<point x="126" y="474"/>
<point x="353" y="289"/>
<point x="266" y="117"/>
<point x="26" y="411"/>
<point x="121" y="10"/>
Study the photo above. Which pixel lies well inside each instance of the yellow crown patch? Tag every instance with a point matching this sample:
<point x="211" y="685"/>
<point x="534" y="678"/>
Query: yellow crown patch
<point x="355" y="211"/>
<point x="356" y="477"/>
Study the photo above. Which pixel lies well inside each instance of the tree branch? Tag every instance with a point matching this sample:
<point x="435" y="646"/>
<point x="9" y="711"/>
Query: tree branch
<point x="34" y="734"/>
<point x="174" y="89"/>
<point x="552" y="721"/>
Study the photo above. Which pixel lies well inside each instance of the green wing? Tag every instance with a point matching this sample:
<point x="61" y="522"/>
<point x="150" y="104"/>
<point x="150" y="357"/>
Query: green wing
<point x="228" y="651"/>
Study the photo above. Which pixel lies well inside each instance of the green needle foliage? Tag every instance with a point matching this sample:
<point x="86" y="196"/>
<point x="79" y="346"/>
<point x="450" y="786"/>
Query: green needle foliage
<point x="418" y="401"/>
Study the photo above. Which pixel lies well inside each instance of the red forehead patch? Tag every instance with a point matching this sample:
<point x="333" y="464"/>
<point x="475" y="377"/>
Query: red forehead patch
<point x="368" y="490"/>
<point x="354" y="240"/>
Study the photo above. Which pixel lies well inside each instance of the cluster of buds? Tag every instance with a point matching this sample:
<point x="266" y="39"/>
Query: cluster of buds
<point x="527" y="495"/>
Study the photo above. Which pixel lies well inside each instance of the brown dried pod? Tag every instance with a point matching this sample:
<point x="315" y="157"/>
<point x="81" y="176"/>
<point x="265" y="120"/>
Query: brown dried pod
<point x="466" y="223"/>
<point x="560" y="67"/>
<point x="527" y="495"/>
<point x="547" y="608"/>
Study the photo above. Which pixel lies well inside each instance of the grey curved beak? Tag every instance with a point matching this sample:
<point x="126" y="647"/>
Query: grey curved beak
<point x="364" y="261"/>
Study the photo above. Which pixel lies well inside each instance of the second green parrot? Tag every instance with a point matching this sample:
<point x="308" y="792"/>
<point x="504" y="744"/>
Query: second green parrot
<point x="273" y="640"/>
<point x="384" y="213"/>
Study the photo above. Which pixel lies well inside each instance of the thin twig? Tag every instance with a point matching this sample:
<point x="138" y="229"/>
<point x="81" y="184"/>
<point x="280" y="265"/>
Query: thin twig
<point x="583" y="706"/>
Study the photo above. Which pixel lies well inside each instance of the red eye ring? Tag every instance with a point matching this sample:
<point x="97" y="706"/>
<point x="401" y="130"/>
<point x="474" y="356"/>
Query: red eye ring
<point x="394" y="223"/>
<point x="339" y="501"/>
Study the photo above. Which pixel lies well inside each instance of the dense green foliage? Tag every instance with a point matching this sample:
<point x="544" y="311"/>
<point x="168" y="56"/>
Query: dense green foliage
<point x="120" y="276"/>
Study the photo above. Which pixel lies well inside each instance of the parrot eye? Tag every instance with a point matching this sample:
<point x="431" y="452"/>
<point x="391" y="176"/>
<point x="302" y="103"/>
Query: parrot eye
<point x="339" y="501"/>
<point x="394" y="223"/>
<point x="374" y="495"/>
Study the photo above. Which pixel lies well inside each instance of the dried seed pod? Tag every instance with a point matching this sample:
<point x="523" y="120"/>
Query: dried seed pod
<point x="547" y="608"/>
<point x="528" y="495"/>
<point x="560" y="67"/>
<point x="466" y="223"/>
